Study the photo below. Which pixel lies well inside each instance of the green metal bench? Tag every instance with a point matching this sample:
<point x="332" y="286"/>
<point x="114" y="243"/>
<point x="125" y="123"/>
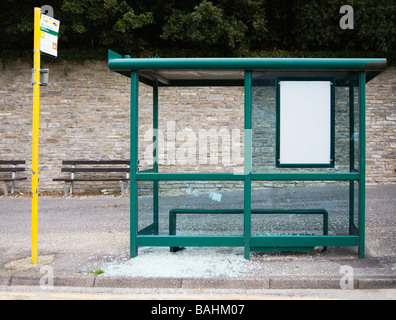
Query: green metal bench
<point x="174" y="212"/>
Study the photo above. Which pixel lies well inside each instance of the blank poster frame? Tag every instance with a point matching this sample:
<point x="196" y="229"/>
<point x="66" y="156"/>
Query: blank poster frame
<point x="298" y="164"/>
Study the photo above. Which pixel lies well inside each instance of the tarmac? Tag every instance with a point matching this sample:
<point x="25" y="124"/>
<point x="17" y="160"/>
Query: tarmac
<point x="84" y="243"/>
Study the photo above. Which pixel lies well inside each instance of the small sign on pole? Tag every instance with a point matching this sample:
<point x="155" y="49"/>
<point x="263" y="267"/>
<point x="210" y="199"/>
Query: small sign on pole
<point x="49" y="28"/>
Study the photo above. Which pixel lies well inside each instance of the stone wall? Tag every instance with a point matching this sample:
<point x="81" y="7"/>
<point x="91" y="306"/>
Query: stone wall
<point x="381" y="128"/>
<point x="84" y="114"/>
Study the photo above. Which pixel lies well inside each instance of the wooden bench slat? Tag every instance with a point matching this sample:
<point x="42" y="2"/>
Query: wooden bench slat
<point x="82" y="170"/>
<point x="89" y="179"/>
<point x="11" y="169"/>
<point x="95" y="162"/>
<point x="12" y="162"/>
<point x="12" y="179"/>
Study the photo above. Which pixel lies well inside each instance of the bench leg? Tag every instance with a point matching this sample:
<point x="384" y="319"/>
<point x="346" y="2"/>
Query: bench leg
<point x="122" y="188"/>
<point x="13" y="183"/>
<point x="4" y="188"/>
<point x="65" y="189"/>
<point x="172" y="230"/>
<point x="127" y="189"/>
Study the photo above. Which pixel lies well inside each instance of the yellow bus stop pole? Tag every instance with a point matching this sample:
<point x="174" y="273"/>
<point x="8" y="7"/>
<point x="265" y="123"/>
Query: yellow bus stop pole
<point x="35" y="132"/>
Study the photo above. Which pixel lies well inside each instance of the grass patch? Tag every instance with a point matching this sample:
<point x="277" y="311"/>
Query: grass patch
<point x="96" y="272"/>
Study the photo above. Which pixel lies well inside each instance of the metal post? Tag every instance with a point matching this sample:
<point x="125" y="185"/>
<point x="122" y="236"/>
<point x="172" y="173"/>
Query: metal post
<point x="351" y="155"/>
<point x="134" y="164"/>
<point x="13" y="176"/>
<point x="155" y="157"/>
<point x="35" y="132"/>
<point x="362" y="162"/>
<point x="5" y="190"/>
<point x="72" y="182"/>
<point x="247" y="162"/>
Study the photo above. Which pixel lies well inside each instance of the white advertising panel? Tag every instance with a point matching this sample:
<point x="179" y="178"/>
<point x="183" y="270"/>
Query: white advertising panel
<point x="305" y="113"/>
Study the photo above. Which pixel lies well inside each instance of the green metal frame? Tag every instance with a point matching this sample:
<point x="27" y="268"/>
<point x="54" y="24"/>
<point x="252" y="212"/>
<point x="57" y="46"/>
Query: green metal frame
<point x="125" y="65"/>
<point x="247" y="200"/>
<point x="278" y="122"/>
<point x="149" y="236"/>
<point x="362" y="163"/>
<point x="134" y="164"/>
<point x="174" y="212"/>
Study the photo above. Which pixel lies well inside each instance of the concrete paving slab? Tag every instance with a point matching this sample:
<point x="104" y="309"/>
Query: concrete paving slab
<point x="137" y="282"/>
<point x="226" y="283"/>
<point x="5" y="280"/>
<point x="74" y="281"/>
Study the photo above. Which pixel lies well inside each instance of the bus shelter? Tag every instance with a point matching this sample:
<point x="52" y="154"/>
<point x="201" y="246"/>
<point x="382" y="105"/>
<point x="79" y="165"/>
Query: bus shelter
<point x="304" y="125"/>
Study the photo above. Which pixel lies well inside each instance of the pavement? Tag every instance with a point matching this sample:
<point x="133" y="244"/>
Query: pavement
<point x="84" y="243"/>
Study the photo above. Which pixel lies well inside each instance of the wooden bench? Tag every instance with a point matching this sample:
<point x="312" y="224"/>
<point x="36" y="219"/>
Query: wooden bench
<point x="174" y="212"/>
<point x="11" y="170"/>
<point x="107" y="167"/>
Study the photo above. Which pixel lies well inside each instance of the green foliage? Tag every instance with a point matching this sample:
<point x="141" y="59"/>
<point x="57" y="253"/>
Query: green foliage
<point x="101" y="22"/>
<point x="230" y="27"/>
<point x="376" y="24"/>
<point x="96" y="272"/>
<point x="203" y="28"/>
<point x="207" y="25"/>
<point x="317" y="25"/>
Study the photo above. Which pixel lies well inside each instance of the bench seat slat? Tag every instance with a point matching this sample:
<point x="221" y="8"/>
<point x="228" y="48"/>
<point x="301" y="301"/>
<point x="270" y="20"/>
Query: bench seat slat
<point x="12" y="162"/>
<point x="12" y="169"/>
<point x="88" y="179"/>
<point x="82" y="170"/>
<point x="12" y="179"/>
<point x="94" y="162"/>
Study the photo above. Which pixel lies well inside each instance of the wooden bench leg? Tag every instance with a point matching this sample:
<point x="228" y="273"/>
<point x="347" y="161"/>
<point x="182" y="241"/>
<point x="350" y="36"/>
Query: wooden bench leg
<point x="4" y="188"/>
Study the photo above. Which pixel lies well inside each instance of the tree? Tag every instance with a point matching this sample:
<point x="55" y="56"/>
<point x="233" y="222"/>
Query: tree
<point x="317" y="25"/>
<point x="203" y="27"/>
<point x="102" y="22"/>
<point x="84" y="23"/>
<point x="206" y="26"/>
